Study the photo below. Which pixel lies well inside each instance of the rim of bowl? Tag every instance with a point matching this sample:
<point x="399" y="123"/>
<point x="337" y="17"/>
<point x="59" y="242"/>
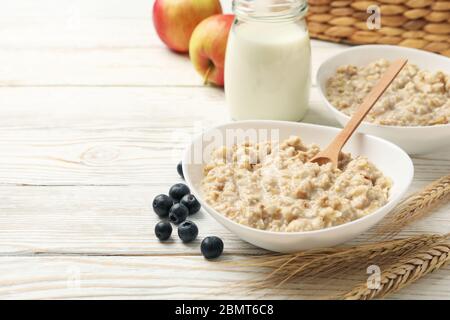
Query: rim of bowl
<point x="198" y="193"/>
<point x="362" y="48"/>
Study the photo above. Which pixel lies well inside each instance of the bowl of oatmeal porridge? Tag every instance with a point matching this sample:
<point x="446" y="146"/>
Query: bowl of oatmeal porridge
<point x="414" y="112"/>
<point x="255" y="179"/>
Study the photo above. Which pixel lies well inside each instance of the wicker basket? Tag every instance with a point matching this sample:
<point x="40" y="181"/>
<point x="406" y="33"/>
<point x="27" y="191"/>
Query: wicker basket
<point x="422" y="24"/>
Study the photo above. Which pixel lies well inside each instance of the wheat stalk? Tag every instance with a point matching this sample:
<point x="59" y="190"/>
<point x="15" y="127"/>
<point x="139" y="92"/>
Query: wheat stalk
<point x="404" y="273"/>
<point x="330" y="261"/>
<point x="415" y="207"/>
<point x="413" y="252"/>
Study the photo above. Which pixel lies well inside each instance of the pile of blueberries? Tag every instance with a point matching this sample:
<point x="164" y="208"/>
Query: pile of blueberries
<point x="177" y="206"/>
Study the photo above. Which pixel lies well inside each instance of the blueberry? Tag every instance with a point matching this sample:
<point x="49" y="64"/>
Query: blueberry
<point x="187" y="231"/>
<point x="190" y="202"/>
<point x="163" y="230"/>
<point x="178" y="213"/>
<point x="211" y="247"/>
<point x="180" y="169"/>
<point x="162" y="205"/>
<point x="178" y="191"/>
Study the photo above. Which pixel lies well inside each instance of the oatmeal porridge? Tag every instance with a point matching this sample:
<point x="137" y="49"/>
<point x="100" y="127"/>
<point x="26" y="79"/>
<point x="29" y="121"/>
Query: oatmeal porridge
<point x="415" y="98"/>
<point x="272" y="186"/>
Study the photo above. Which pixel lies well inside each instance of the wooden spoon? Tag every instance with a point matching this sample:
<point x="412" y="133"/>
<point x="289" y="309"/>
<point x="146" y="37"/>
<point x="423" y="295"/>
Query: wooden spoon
<point x="331" y="153"/>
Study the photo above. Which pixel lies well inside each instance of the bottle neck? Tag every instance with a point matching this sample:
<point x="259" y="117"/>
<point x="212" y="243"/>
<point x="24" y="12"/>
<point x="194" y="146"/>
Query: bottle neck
<point x="270" y="10"/>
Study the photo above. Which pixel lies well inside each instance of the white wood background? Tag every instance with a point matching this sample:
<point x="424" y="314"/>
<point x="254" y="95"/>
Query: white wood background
<point x="94" y="114"/>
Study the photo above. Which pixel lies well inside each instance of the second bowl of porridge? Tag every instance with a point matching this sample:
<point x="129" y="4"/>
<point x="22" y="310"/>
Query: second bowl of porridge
<point x="254" y="177"/>
<point x="414" y="112"/>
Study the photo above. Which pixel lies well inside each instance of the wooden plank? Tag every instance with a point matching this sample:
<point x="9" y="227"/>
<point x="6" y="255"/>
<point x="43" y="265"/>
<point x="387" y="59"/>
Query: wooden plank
<point x="164" y="278"/>
<point x="96" y="67"/>
<point x="63" y="10"/>
<point x="80" y="44"/>
<point x="118" y="136"/>
<point x="105" y="64"/>
<point x="95" y="221"/>
<point x="98" y="220"/>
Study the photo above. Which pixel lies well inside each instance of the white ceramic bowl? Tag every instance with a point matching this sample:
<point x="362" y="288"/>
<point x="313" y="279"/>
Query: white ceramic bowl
<point x="389" y="158"/>
<point x="414" y="140"/>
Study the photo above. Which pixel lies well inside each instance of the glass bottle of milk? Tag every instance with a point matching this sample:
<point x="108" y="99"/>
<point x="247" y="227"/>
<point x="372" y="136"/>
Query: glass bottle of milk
<point x="268" y="60"/>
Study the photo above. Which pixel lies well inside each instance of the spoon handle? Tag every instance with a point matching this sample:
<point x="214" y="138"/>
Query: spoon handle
<point x="367" y="104"/>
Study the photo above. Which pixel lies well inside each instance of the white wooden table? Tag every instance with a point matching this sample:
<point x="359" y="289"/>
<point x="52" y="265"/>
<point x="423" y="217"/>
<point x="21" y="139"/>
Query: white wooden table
<point x="94" y="114"/>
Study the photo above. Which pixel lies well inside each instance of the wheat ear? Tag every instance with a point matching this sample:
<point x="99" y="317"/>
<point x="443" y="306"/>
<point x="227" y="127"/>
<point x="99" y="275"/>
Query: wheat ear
<point x="404" y="273"/>
<point x="415" y="207"/>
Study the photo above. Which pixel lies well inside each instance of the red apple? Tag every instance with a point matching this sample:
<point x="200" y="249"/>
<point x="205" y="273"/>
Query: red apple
<point x="175" y="20"/>
<point x="208" y="46"/>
